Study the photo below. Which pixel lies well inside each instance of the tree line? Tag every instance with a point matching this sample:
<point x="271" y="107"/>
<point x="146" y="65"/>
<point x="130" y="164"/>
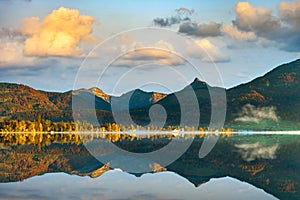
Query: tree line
<point x="42" y="125"/>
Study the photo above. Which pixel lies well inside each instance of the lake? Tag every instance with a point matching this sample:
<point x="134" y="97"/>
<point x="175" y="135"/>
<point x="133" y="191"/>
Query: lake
<point x="66" y="166"/>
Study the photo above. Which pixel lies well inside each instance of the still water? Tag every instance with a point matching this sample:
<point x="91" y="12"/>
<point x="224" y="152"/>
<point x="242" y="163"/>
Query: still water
<point x="251" y="166"/>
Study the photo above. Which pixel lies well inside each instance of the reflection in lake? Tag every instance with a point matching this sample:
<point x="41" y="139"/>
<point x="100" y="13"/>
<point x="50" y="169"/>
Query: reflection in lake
<point x="239" y="167"/>
<point x="119" y="185"/>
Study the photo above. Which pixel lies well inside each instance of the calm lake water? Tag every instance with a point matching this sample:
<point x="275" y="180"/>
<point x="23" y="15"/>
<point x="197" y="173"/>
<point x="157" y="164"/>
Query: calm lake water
<point x="59" y="166"/>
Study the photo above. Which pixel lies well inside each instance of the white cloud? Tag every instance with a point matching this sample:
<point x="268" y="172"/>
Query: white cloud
<point x="252" y="114"/>
<point x="251" y="152"/>
<point x="206" y="51"/>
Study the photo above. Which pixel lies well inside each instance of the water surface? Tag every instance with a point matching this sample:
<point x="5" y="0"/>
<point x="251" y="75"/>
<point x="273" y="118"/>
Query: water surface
<point x="59" y="166"/>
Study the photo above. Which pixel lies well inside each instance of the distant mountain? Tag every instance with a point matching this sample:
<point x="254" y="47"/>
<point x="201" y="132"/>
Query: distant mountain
<point x="138" y="99"/>
<point x="95" y="92"/>
<point x="23" y="102"/>
<point x="270" y="100"/>
<point x="201" y="89"/>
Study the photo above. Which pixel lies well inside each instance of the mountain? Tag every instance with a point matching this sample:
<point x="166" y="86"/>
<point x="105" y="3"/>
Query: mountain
<point x="23" y="102"/>
<point x="95" y="92"/>
<point x="137" y="99"/>
<point x="201" y="90"/>
<point x="270" y="101"/>
<point x="20" y="98"/>
<point x="275" y="93"/>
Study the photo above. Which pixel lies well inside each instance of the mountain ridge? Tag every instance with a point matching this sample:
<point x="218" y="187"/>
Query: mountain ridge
<point x="278" y="89"/>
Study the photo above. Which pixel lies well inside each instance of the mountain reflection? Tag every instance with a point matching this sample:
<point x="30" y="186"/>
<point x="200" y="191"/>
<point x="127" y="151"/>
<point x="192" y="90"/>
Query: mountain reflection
<point x="269" y="162"/>
<point x="118" y="185"/>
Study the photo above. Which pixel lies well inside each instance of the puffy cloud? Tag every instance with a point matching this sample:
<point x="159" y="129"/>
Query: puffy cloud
<point x="59" y="34"/>
<point x="289" y="12"/>
<point x="252" y="114"/>
<point x="280" y="31"/>
<point x="11" y="54"/>
<point x="161" y="53"/>
<point x="233" y="32"/>
<point x="251" y="152"/>
<point x="288" y="37"/>
<point x="258" y="19"/>
<point x="203" y="30"/>
<point x="206" y="51"/>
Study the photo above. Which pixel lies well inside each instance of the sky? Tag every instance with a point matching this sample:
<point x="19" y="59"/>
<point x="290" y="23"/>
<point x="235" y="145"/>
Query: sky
<point x="153" y="45"/>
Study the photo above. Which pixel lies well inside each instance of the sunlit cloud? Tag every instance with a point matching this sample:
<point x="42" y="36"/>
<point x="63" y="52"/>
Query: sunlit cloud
<point x="58" y="34"/>
<point x="281" y="31"/>
<point x="205" y="50"/>
<point x="161" y="53"/>
<point x="258" y="19"/>
<point x="11" y="54"/>
<point x="233" y="32"/>
<point x="290" y="12"/>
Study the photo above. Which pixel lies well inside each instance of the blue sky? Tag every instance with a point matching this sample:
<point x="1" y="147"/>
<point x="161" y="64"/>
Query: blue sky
<point x="244" y="40"/>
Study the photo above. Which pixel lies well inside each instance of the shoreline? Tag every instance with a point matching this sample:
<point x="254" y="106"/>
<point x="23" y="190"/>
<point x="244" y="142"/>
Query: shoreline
<point x="176" y="133"/>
